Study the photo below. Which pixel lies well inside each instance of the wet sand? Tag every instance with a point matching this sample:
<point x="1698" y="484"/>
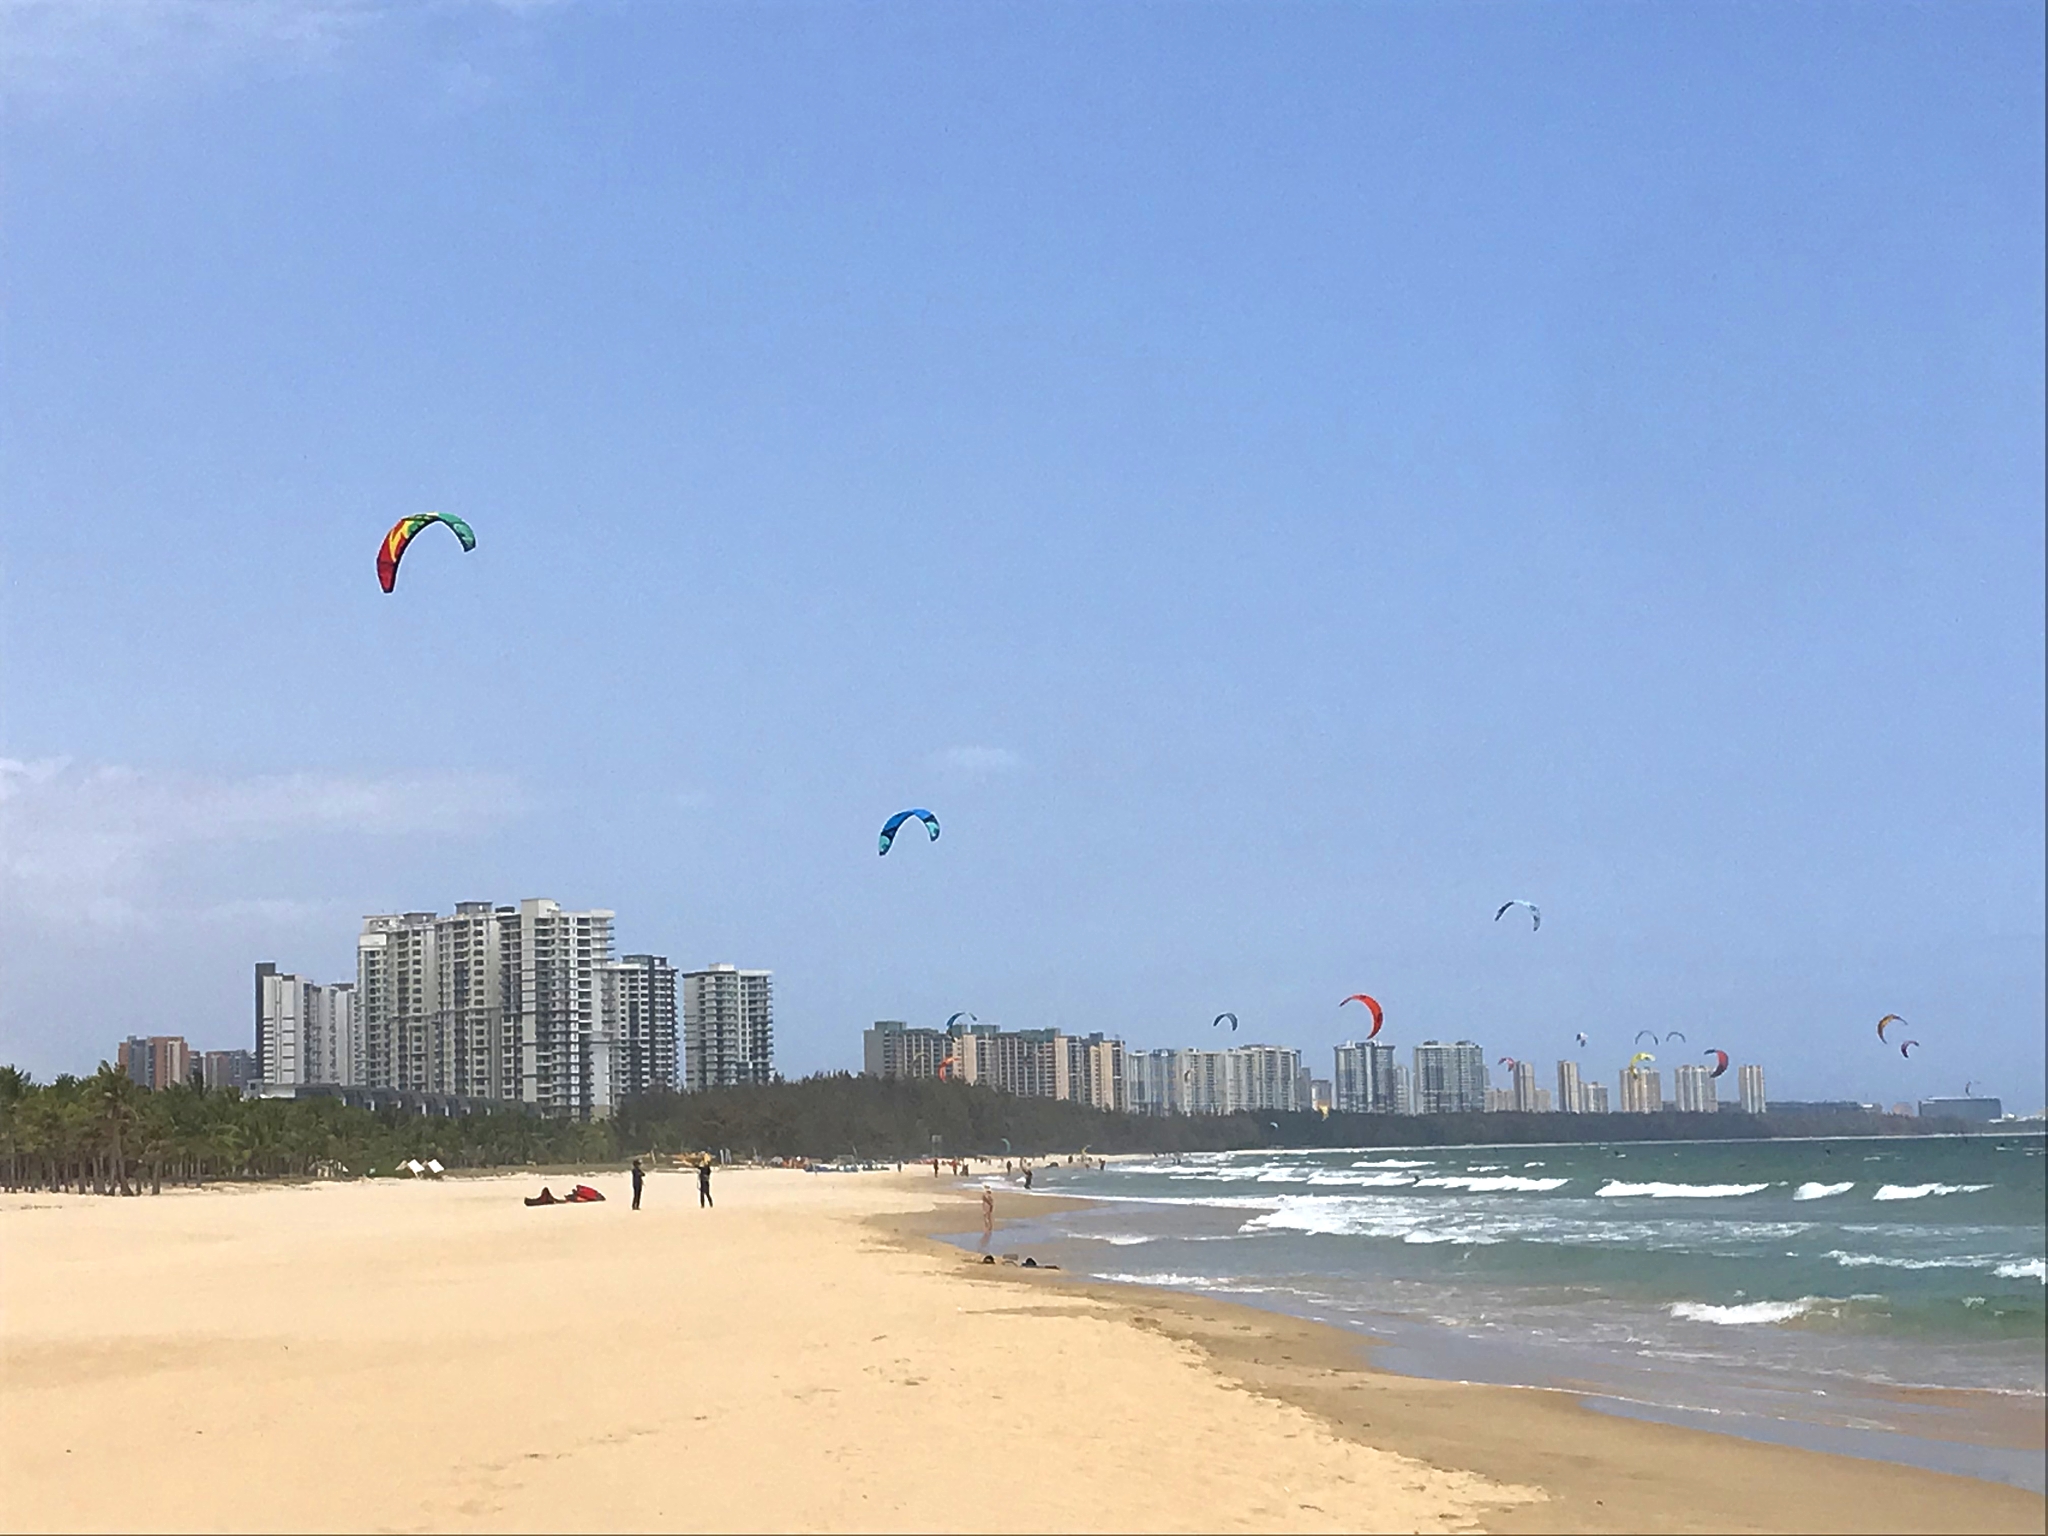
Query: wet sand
<point x="439" y="1357"/>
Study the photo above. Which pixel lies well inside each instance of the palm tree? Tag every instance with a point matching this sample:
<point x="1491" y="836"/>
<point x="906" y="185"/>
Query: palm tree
<point x="112" y="1096"/>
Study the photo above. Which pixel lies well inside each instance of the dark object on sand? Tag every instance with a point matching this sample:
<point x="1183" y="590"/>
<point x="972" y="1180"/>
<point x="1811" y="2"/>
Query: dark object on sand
<point x="582" y="1194"/>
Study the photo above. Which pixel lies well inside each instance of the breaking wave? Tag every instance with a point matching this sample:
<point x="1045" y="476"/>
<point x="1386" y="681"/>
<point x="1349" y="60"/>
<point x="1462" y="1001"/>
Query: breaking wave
<point x="1615" y="1189"/>
<point x="1821" y="1191"/>
<point x="1922" y="1191"/>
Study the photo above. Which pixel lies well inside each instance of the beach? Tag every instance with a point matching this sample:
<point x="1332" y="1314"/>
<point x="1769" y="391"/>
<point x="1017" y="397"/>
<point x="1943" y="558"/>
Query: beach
<point x="437" y="1356"/>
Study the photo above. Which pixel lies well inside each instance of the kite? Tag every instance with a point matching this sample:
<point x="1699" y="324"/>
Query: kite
<point x="1505" y="1061"/>
<point x="931" y="825"/>
<point x="1907" y="1046"/>
<point x="1673" y="1034"/>
<point x="1535" y="913"/>
<point x="1890" y="1018"/>
<point x="1372" y="1007"/>
<point x="963" y="1014"/>
<point x="946" y="1070"/>
<point x="1642" y="1032"/>
<point x="1221" y="1017"/>
<point x="1720" y="1062"/>
<point x="1639" y="1056"/>
<point x="1581" y="1037"/>
<point x="393" y="548"/>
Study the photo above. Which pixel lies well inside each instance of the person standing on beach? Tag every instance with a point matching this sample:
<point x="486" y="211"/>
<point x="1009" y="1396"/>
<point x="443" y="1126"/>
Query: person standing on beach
<point x="1027" y="1175"/>
<point x="704" y="1184"/>
<point x="988" y="1216"/>
<point x="639" y="1178"/>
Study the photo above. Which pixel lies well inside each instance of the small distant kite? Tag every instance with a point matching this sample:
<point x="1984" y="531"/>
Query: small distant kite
<point x="963" y="1014"/>
<point x="1505" y="1061"/>
<point x="1907" y="1046"/>
<point x="1642" y="1032"/>
<point x="1639" y="1056"/>
<point x="1372" y="1007"/>
<point x="1581" y="1037"/>
<point x="393" y="548"/>
<point x="1535" y="913"/>
<point x="931" y="825"/>
<point x="1720" y="1062"/>
<point x="1890" y="1018"/>
<point x="946" y="1069"/>
<point x="1673" y="1034"/>
<point x="1221" y="1017"/>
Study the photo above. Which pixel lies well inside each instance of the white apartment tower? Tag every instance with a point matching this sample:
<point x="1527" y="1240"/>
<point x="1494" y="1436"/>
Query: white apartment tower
<point x="306" y="1032"/>
<point x="1528" y="1098"/>
<point x="1221" y="1082"/>
<point x="1571" y="1097"/>
<point x="1595" y="1098"/>
<point x="1749" y="1084"/>
<point x="1642" y="1091"/>
<point x="728" y="1027"/>
<point x="1363" y="1083"/>
<point x="1449" y="1079"/>
<point x="637" y="999"/>
<point x="1694" y="1092"/>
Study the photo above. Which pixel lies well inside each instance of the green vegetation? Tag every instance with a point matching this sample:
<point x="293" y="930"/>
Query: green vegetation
<point x="107" y="1135"/>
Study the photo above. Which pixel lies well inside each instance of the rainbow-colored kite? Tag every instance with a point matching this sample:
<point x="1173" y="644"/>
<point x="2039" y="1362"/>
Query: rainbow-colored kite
<point x="401" y="535"/>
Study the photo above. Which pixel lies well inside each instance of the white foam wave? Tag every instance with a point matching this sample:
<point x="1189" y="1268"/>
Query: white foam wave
<point x="1922" y="1191"/>
<point x="1496" y="1182"/>
<point x="1126" y="1239"/>
<point x="1883" y="1261"/>
<point x="1746" y="1313"/>
<point x="1166" y="1277"/>
<point x="1616" y="1190"/>
<point x="2027" y="1269"/>
<point x="1343" y="1179"/>
<point x="1821" y="1191"/>
<point x="1473" y="1239"/>
<point x="1390" y="1162"/>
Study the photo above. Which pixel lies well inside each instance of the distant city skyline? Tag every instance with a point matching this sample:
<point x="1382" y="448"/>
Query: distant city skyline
<point x="1277" y="482"/>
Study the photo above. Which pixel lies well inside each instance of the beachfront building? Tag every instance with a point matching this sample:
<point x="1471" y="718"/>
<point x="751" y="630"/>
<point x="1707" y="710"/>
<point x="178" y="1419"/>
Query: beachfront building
<point x="892" y="1049"/>
<point x="1322" y="1098"/>
<point x="1363" y="1083"/>
<point x="1404" y="1091"/>
<point x="1089" y="1069"/>
<point x="154" y="1061"/>
<point x="1594" y="1097"/>
<point x="490" y="1003"/>
<point x="1528" y="1098"/>
<point x="728" y="1027"/>
<point x="637" y="1001"/>
<point x="227" y="1069"/>
<point x="1973" y="1108"/>
<point x="1695" y="1090"/>
<point x="306" y="1032"/>
<point x="1749" y="1087"/>
<point x="1571" y="1097"/>
<point x="1019" y="1061"/>
<point x="1450" y="1079"/>
<point x="1219" y="1082"/>
<point x="1642" y="1091"/>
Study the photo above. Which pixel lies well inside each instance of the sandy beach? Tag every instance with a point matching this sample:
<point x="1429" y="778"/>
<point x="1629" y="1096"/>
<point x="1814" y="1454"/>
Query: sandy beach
<point x="437" y="1356"/>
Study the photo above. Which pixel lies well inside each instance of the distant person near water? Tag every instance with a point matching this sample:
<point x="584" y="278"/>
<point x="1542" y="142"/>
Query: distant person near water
<point x="988" y="1216"/>
<point x="704" y="1184"/>
<point x="1027" y="1175"/>
<point x="639" y="1178"/>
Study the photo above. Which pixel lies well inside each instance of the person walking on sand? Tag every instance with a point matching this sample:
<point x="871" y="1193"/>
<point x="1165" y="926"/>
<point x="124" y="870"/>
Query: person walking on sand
<point x="639" y="1178"/>
<point x="988" y="1216"/>
<point x="704" y="1184"/>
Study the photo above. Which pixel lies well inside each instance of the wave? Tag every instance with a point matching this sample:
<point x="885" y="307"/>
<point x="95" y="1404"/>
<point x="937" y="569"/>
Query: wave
<point x="2025" y="1269"/>
<point x="1466" y="1236"/>
<point x="1821" y="1191"/>
<point x="1615" y="1189"/>
<point x="1125" y="1239"/>
<point x="1921" y="1191"/>
<point x="1481" y="1184"/>
<point x="1870" y="1260"/>
<point x="1746" y="1313"/>
<point x="1391" y="1162"/>
<point x="1347" y="1180"/>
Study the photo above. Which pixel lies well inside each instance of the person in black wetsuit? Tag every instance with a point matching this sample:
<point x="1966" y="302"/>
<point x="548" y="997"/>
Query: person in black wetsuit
<point x="639" y="1178"/>
<point x="704" y="1183"/>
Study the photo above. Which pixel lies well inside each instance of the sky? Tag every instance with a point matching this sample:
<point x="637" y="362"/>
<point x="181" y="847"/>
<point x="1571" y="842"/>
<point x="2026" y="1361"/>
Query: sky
<point x="1277" y="481"/>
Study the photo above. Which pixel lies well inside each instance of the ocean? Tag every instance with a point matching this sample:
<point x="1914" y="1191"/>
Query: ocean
<point x="1799" y="1291"/>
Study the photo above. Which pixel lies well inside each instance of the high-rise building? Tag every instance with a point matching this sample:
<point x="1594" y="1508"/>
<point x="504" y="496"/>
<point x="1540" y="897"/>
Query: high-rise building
<point x="1322" y="1098"/>
<point x="728" y="1027"/>
<point x="1543" y="1101"/>
<point x="1089" y="1069"/>
<point x="228" y="1069"/>
<point x="306" y="1032"/>
<point x="1694" y="1090"/>
<point x="492" y="1003"/>
<point x="1404" y="1091"/>
<point x="1363" y="1083"/>
<point x="893" y="1049"/>
<point x="1024" y="1062"/>
<point x="1594" y="1097"/>
<point x="1152" y="1082"/>
<point x="638" y="1003"/>
<point x="1571" y="1098"/>
<point x="154" y="1061"/>
<point x="1450" y="1079"/>
<point x="1213" y="1082"/>
<point x="1749" y="1086"/>
<point x="1525" y="1090"/>
<point x="1642" y="1091"/>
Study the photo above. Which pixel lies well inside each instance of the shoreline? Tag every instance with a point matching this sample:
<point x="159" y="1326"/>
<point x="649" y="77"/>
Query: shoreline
<point x="1589" y="1460"/>
<point x="436" y="1356"/>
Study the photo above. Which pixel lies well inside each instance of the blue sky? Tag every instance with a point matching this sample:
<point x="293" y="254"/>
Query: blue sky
<point x="1277" y="481"/>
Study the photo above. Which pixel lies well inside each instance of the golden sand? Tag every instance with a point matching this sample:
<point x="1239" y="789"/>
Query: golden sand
<point x="437" y="1356"/>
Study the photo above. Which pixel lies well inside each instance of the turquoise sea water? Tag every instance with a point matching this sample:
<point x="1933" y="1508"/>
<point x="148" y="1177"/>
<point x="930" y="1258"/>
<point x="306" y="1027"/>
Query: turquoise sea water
<point x="1781" y="1288"/>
